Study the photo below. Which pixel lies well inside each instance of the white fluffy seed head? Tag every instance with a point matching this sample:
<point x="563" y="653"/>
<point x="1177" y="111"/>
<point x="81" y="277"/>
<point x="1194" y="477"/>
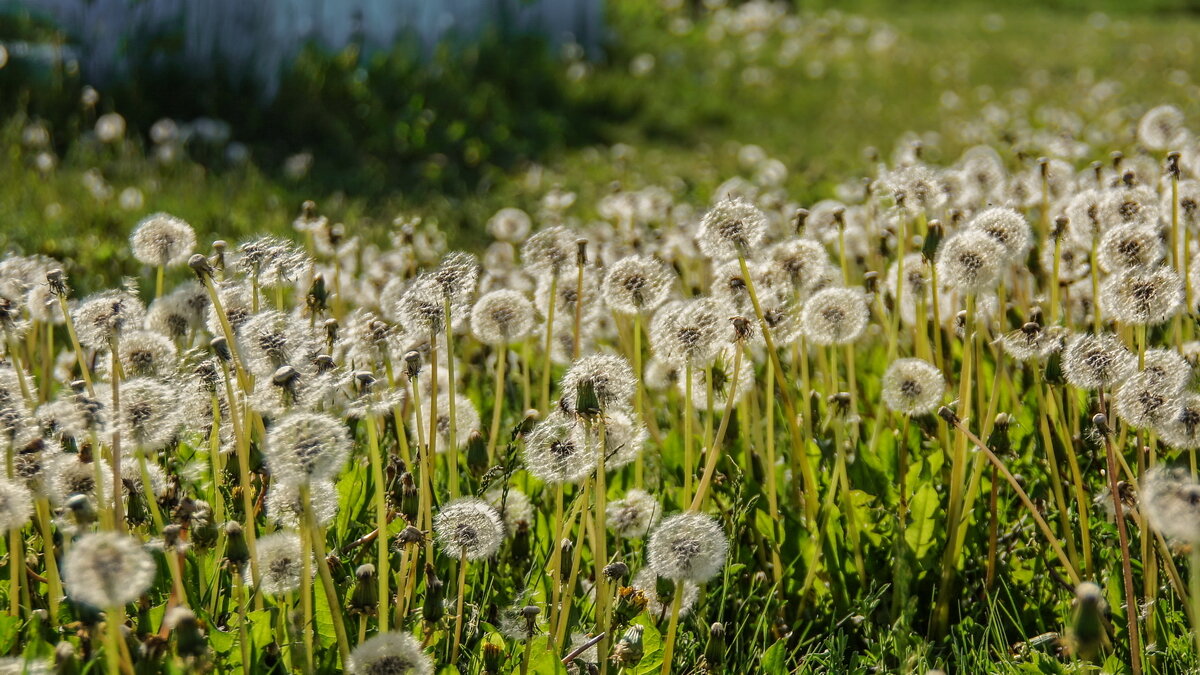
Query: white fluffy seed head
<point x="307" y="447"/>
<point x="105" y="316"/>
<point x="509" y="224"/>
<point x="1033" y="342"/>
<point x="514" y="507"/>
<point x="162" y="240"/>
<point x="1094" y="361"/>
<point x="1182" y="431"/>
<point x="279" y="563"/>
<point x="107" y="569"/>
<point x="469" y="527"/>
<point x="803" y="262"/>
<point x="1143" y="403"/>
<point x="16" y="504"/>
<point x="688" y="547"/>
<point x="501" y="317"/>
<point x="284" y="506"/>
<point x="1162" y="128"/>
<point x="146" y="353"/>
<point x="608" y="376"/>
<point x="393" y="653"/>
<point x="466" y="420"/>
<point x="553" y="453"/>
<point x="1008" y="228"/>
<point x="548" y="251"/>
<point x="970" y="261"/>
<point x="835" y="316"/>
<point x="272" y="339"/>
<point x="272" y="261"/>
<point x="692" y="333"/>
<point x="1170" y="500"/>
<point x="1142" y="296"/>
<point x="149" y="414"/>
<point x="637" y="284"/>
<point x="1130" y="246"/>
<point x="913" y="387"/>
<point x="732" y="227"/>
<point x="632" y="516"/>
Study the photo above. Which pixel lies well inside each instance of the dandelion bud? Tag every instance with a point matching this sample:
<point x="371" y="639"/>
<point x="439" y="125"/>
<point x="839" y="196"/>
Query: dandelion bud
<point x="871" y="282"/>
<point x="324" y="363"/>
<point x="365" y="597"/>
<point x="799" y="221"/>
<point x="200" y="265"/>
<point x="220" y="347"/>
<point x="493" y="658"/>
<point x="1061" y="223"/>
<point x="412" y="361"/>
<point x="477" y="455"/>
<point x="66" y="662"/>
<point x="1087" y="629"/>
<point x="317" y="295"/>
<point x="741" y="328"/>
<point x="565" y="547"/>
<point x="285" y="376"/>
<point x="528" y="421"/>
<point x="948" y="415"/>
<point x="714" y="649"/>
<point x="1173" y="164"/>
<point x="185" y="627"/>
<point x="998" y="441"/>
<point x="410" y="536"/>
<point x="616" y="571"/>
<point x="219" y="246"/>
<point x="933" y="240"/>
<point x="629" y="650"/>
<point x="433" y="608"/>
<point x="1100" y="421"/>
<point x="82" y="510"/>
<point x="630" y="603"/>
<point x="57" y="280"/>
<point x="331" y="330"/>
<point x="392" y="652"/>
<point x="409" y="500"/>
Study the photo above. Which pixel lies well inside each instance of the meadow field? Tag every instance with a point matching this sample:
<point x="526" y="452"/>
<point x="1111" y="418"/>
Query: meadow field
<point x="772" y="338"/>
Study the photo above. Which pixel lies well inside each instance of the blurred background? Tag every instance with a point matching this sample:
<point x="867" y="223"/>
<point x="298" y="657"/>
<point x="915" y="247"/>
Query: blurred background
<point x="230" y="114"/>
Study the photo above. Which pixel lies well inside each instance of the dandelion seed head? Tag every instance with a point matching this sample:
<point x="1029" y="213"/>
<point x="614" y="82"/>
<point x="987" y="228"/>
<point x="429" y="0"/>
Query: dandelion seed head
<point x="393" y="653"/>
<point x="724" y="392"/>
<point x="279" y="563"/>
<point x="458" y="274"/>
<point x="553" y="455"/>
<point x="514" y="507"/>
<point x="916" y="187"/>
<point x="624" y="438"/>
<point x="146" y="353"/>
<point x="913" y="387"/>
<point x="1141" y="296"/>
<point x="803" y="262"/>
<point x="687" y="547"/>
<point x="1094" y="361"/>
<point x="307" y="447"/>
<point x="971" y="261"/>
<point x="466" y="420"/>
<point x="162" y="240"/>
<point x="632" y="516"/>
<point x="469" y="527"/>
<point x="66" y="477"/>
<point x="1168" y="368"/>
<point x="285" y="508"/>
<point x="1130" y="246"/>
<point x="271" y="339"/>
<point x="421" y="309"/>
<point x="548" y="251"/>
<point x="105" y="316"/>
<point x="835" y="316"/>
<point x="1170" y="500"/>
<point x="1143" y="403"/>
<point x="16" y="504"/>
<point x="609" y="376"/>
<point x="237" y="301"/>
<point x="502" y="317"/>
<point x="107" y="569"/>
<point x="1162" y="128"/>
<point x="509" y="224"/>
<point x="516" y="626"/>
<point x="1182" y="431"/>
<point x="637" y="284"/>
<point x="272" y="261"/>
<point x="1007" y="227"/>
<point x="732" y="227"/>
<point x="691" y="334"/>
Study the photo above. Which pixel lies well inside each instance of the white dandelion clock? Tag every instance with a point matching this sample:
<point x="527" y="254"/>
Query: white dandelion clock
<point x="469" y="527"/>
<point x="107" y="569"/>
<point x="835" y="316"/>
<point x="162" y="240"/>
<point x="687" y="547"/>
<point x="392" y="653"/>
<point x="913" y="387"/>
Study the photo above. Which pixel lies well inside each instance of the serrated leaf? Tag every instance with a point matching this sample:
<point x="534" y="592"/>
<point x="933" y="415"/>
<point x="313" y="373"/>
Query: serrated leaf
<point x="923" y="509"/>
<point x="774" y="659"/>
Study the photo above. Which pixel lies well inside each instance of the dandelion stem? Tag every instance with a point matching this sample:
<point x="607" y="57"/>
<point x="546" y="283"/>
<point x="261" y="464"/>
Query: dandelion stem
<point x="1131" y="602"/>
<point x="549" y="344"/>
<point x="672" y="628"/>
<point x="600" y="547"/>
<point x="452" y="436"/>
<point x="498" y="398"/>
<point x="458" y="612"/>
<point x="113" y="618"/>
<point x="714" y="452"/>
<point x="383" y="574"/>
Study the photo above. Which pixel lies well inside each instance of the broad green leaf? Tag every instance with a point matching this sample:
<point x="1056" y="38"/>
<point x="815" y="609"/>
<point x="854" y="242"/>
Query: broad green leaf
<point x="923" y="511"/>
